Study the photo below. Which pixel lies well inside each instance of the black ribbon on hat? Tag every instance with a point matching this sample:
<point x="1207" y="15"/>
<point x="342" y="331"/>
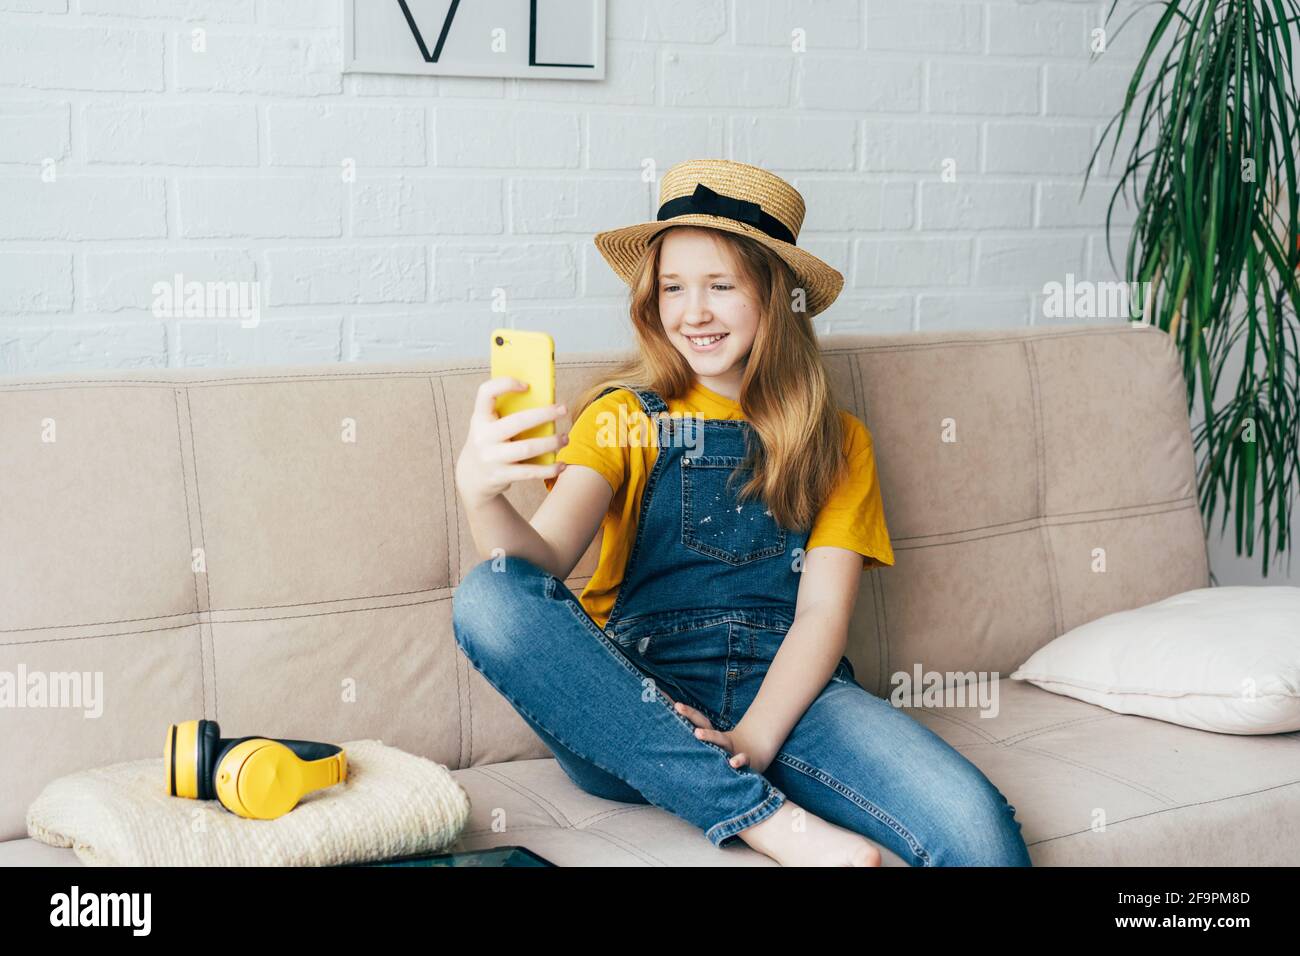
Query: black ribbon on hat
<point x="705" y="200"/>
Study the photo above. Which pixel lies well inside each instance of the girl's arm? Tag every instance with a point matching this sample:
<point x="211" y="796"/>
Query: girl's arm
<point x="490" y="462"/>
<point x="559" y="532"/>
<point x="809" y="654"/>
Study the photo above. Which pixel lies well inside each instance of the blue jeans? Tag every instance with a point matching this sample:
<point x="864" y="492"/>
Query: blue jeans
<point x="852" y="758"/>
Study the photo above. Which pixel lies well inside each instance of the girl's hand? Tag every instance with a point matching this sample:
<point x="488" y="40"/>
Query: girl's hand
<point x="728" y="740"/>
<point x="487" y="465"/>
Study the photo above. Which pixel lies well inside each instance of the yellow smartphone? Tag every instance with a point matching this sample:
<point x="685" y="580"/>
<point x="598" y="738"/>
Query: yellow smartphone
<point x="529" y="357"/>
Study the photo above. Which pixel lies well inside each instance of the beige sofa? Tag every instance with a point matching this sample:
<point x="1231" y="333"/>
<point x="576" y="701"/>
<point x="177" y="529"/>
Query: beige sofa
<point x="330" y="564"/>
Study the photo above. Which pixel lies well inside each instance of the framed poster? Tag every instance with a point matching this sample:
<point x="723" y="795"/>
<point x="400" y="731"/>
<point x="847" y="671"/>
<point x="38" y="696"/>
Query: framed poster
<point x="538" y="39"/>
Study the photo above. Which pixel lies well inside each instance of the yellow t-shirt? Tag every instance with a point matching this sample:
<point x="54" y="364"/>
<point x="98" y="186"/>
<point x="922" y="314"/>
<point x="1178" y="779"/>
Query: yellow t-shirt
<point x="852" y="517"/>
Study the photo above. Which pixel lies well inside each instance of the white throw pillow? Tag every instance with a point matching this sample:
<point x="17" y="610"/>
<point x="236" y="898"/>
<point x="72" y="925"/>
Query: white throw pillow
<point x="1223" y="659"/>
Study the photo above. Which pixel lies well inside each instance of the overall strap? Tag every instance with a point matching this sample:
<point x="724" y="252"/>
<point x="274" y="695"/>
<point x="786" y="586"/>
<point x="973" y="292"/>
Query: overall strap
<point x="650" y="401"/>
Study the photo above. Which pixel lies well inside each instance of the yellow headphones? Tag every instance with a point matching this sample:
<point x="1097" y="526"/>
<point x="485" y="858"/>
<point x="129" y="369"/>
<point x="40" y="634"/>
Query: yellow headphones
<point x="255" y="777"/>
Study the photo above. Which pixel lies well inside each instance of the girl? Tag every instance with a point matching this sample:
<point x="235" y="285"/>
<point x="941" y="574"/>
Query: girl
<point x="703" y="669"/>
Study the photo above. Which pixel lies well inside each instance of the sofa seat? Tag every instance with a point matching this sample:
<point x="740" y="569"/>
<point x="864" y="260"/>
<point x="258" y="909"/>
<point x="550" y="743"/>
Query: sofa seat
<point x="1167" y="796"/>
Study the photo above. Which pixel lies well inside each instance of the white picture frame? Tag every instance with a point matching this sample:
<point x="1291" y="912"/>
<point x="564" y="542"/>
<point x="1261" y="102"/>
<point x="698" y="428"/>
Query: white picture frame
<point x="536" y="39"/>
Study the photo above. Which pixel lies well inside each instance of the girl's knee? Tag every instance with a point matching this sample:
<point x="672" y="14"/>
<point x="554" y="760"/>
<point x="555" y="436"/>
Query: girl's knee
<point x="989" y="835"/>
<point x="489" y="595"/>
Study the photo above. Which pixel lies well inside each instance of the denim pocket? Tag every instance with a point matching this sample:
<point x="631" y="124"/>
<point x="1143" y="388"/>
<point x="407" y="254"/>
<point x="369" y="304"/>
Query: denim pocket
<point x="715" y="522"/>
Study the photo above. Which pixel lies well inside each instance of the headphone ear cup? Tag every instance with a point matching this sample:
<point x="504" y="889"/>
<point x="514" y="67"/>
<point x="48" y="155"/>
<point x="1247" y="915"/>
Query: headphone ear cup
<point x="208" y="740"/>
<point x="180" y="758"/>
<point x="220" y="749"/>
<point x="259" y="781"/>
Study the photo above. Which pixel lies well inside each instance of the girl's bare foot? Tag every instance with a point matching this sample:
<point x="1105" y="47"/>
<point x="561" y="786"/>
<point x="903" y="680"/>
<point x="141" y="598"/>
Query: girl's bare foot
<point x="794" y="837"/>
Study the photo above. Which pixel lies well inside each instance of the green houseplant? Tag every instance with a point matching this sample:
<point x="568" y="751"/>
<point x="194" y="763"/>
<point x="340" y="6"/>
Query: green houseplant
<point x="1216" y="234"/>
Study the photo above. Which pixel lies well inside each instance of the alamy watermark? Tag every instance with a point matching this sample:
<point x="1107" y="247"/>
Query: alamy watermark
<point x="1096" y="300"/>
<point x="946" y="689"/>
<point x="179" y="299"/>
<point x="636" y="429"/>
<point x="130" y="909"/>
<point x="54" y="689"/>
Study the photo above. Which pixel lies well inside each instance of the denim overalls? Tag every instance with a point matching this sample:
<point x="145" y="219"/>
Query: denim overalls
<point x="708" y="596"/>
<point x="710" y="585"/>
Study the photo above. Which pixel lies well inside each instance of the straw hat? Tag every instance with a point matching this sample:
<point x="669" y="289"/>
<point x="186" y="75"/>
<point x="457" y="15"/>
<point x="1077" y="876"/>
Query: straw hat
<point x="734" y="197"/>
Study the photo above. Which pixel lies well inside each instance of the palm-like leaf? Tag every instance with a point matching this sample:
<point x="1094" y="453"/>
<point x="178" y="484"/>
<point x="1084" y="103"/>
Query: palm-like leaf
<point x="1216" y="234"/>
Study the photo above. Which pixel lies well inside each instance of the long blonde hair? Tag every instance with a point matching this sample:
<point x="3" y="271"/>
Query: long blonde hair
<point x="785" y="392"/>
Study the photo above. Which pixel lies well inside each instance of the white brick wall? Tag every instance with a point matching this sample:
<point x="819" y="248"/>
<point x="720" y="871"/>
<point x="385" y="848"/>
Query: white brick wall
<point x="383" y="216"/>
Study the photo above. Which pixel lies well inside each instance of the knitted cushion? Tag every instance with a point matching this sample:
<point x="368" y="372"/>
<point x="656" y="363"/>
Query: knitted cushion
<point x="392" y="804"/>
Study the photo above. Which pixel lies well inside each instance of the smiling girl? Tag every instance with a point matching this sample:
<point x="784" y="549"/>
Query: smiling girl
<point x="703" y="669"/>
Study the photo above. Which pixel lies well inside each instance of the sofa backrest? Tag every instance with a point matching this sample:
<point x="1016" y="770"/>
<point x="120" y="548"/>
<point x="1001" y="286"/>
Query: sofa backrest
<point x="276" y="548"/>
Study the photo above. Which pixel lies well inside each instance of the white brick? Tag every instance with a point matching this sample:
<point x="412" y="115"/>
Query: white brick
<point x="668" y="21"/>
<point x="926" y="27"/>
<point x="970" y="310"/>
<point x="395" y="338"/>
<point x="275" y="340"/>
<point x="33" y="132"/>
<point x="172" y="134"/>
<point x="34" y="6"/>
<point x="212" y="11"/>
<point x="82" y="207"/>
<point x="630" y="79"/>
<point x="346" y="274"/>
<point x="1037" y="148"/>
<point x="830" y="24"/>
<point x="851" y="205"/>
<point x="117" y="280"/>
<point x="583" y="205"/>
<point x="832" y="82"/>
<point x="251" y="63"/>
<point x="1060" y="204"/>
<point x="263" y="206"/>
<point x="911" y="261"/>
<point x="598" y="278"/>
<point x="625" y="140"/>
<point x="487" y="138"/>
<point x="971" y="87"/>
<point x="325" y="135"/>
<point x="1091" y="89"/>
<point x="715" y="80"/>
<point x="1100" y="267"/>
<point x="56" y="58"/>
<point x="910" y="146"/>
<point x="1026" y="262"/>
<point x="409" y="266"/>
<point x="795" y="142"/>
<point x="856" y="314"/>
<point x="471" y="273"/>
<point x="836" y="253"/>
<point x="578" y="329"/>
<point x="426" y="206"/>
<point x="466" y="87"/>
<point x="28" y="349"/>
<point x="35" y="281"/>
<point x="299" y="14"/>
<point x="971" y="204"/>
<point x="1040" y="30"/>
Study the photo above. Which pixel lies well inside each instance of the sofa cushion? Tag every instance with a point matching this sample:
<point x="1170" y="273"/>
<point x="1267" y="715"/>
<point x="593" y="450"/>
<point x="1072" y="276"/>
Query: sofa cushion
<point x="1090" y="787"/>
